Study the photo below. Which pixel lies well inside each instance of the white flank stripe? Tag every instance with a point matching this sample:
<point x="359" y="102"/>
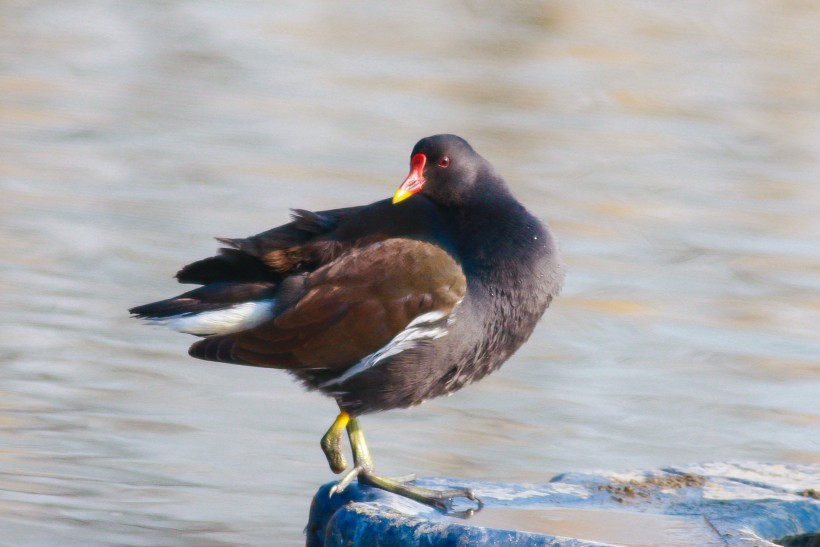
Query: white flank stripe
<point x="234" y="319"/>
<point x="418" y="329"/>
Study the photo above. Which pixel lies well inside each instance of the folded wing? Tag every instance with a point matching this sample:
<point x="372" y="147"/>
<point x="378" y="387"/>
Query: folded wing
<point x="322" y="292"/>
<point x="348" y="309"/>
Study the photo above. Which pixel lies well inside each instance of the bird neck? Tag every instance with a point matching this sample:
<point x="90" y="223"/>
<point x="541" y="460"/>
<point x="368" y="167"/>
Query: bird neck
<point x="498" y="236"/>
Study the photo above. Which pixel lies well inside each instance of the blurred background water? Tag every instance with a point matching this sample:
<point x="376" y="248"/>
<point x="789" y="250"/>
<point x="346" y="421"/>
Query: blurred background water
<point x="672" y="147"/>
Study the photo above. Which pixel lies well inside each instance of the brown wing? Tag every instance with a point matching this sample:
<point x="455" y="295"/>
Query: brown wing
<point x="347" y="309"/>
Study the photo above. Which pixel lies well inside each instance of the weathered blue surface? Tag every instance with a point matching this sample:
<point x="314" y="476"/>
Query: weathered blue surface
<point x="741" y="504"/>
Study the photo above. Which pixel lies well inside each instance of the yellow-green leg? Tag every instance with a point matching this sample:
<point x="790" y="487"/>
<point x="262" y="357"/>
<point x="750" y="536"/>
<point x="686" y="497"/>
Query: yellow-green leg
<point x="332" y="443"/>
<point x="363" y="470"/>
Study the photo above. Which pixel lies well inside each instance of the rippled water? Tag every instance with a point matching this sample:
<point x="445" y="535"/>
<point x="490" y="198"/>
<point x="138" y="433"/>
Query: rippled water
<point x="673" y="148"/>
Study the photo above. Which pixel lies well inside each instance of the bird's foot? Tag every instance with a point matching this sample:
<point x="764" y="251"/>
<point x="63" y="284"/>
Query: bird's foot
<point x="345" y="481"/>
<point x="354" y="472"/>
<point x="443" y="500"/>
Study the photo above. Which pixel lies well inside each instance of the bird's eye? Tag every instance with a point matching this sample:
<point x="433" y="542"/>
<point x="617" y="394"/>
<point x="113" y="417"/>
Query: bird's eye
<point x="444" y="161"/>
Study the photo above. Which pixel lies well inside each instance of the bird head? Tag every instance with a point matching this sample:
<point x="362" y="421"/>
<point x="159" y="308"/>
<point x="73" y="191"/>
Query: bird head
<point x="447" y="170"/>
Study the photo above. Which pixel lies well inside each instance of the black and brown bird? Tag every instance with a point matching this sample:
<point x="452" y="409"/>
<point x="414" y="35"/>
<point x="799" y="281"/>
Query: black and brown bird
<point x="379" y="306"/>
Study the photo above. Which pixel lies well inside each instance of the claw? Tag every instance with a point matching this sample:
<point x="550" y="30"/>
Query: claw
<point x="345" y="481"/>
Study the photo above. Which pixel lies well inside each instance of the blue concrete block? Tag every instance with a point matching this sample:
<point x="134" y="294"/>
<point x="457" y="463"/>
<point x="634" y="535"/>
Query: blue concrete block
<point x="721" y="504"/>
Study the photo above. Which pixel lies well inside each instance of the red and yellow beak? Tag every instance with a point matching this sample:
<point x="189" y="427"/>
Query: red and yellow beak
<point x="414" y="181"/>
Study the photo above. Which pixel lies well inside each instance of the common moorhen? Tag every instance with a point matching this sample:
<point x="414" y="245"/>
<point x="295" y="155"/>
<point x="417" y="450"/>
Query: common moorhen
<point x="380" y="306"/>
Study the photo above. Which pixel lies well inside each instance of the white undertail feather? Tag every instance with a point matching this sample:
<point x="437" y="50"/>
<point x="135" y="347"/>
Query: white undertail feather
<point x="237" y="318"/>
<point x="418" y="329"/>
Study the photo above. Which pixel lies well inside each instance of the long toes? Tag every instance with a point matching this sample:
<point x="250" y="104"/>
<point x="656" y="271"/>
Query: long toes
<point x="345" y="481"/>
<point x="445" y="500"/>
<point x="451" y="494"/>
